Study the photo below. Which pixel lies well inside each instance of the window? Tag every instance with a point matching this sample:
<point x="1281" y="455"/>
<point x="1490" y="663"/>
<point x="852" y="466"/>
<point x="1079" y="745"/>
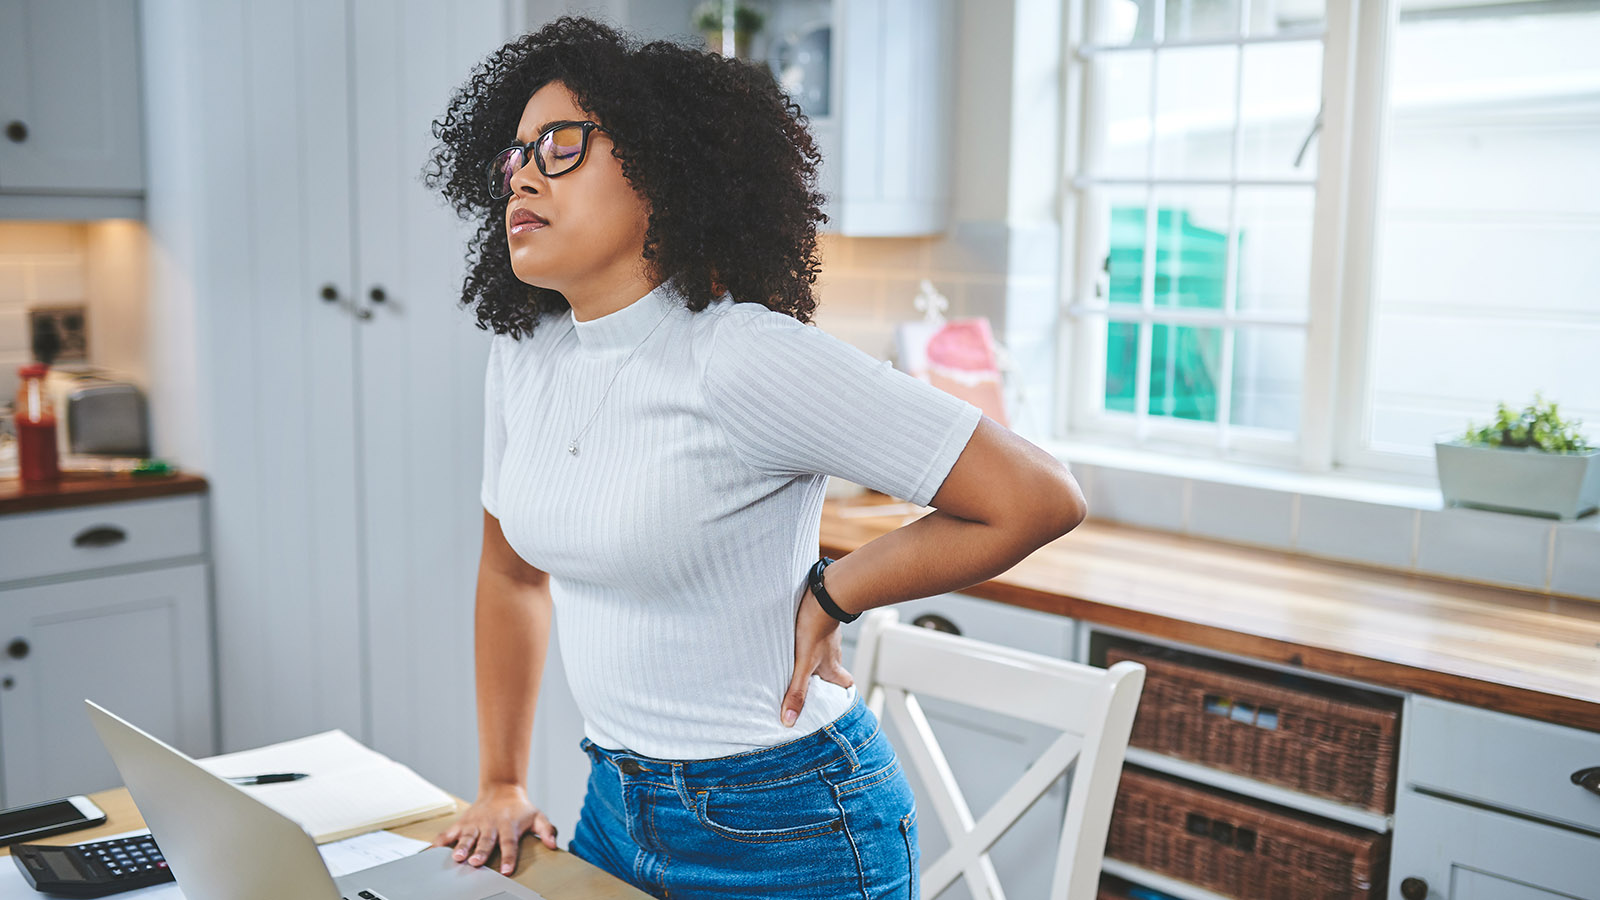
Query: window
<point x="1298" y="237"/>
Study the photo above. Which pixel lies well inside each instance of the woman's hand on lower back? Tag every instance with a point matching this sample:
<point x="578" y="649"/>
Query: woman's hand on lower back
<point x="817" y="651"/>
<point x="501" y="815"/>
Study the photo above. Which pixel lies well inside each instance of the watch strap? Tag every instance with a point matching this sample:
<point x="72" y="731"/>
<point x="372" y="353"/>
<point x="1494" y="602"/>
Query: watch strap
<point x="820" y="591"/>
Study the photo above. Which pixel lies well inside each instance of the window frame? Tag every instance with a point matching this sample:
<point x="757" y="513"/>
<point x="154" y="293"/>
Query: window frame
<point x="1335" y="408"/>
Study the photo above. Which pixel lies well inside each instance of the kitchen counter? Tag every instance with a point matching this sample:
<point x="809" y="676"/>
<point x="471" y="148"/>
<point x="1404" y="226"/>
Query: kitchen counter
<point x="88" y="488"/>
<point x="1519" y="652"/>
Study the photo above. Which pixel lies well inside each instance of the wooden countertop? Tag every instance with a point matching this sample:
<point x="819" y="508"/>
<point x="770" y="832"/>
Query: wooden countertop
<point x="1519" y="652"/>
<point x="556" y="874"/>
<point x="88" y="488"/>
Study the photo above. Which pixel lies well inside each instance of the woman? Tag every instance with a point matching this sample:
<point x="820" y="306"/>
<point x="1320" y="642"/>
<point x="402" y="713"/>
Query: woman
<point x="660" y="423"/>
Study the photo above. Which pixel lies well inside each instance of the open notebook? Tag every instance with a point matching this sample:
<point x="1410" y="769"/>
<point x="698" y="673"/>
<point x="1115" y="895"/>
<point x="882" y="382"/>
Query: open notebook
<point x="351" y="790"/>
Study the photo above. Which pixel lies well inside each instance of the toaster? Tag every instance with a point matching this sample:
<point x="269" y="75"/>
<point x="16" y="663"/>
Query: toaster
<point x="108" y="418"/>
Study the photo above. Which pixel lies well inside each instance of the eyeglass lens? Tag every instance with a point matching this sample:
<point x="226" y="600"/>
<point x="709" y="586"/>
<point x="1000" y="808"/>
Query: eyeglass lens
<point x="560" y="150"/>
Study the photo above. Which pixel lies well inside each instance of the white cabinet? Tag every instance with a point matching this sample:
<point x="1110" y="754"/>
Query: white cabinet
<point x="883" y="120"/>
<point x="988" y="752"/>
<point x="1445" y="850"/>
<point x="135" y="638"/>
<point x="1490" y="808"/>
<point x="70" y="109"/>
<point x="340" y="422"/>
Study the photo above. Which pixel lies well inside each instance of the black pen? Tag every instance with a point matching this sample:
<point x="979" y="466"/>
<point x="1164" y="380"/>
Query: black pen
<point x="268" y="779"/>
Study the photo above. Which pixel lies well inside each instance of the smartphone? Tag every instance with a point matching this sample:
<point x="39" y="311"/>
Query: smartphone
<point x="24" y="823"/>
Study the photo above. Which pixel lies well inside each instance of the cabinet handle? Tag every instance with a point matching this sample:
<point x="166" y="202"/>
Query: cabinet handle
<point x="936" y="622"/>
<point x="1414" y="889"/>
<point x="100" y="536"/>
<point x="330" y="294"/>
<point x="1588" y="779"/>
<point x="377" y="294"/>
<point x="8" y="683"/>
<point x="18" y="649"/>
<point x="17" y="131"/>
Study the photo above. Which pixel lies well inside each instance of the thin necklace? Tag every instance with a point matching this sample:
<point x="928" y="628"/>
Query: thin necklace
<point x="572" y="447"/>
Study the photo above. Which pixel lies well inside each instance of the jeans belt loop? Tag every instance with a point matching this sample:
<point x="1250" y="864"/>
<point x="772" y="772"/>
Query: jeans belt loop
<point x="683" y="789"/>
<point x="855" y="761"/>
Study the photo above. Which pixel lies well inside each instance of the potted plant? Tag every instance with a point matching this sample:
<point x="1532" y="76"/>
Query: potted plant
<point x="711" y="17"/>
<point x="1526" y="462"/>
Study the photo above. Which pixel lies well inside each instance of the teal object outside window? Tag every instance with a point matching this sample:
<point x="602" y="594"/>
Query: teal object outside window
<point x="1190" y="273"/>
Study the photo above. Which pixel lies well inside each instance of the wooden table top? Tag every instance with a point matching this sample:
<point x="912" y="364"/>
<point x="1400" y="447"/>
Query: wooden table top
<point x="556" y="874"/>
<point x="1520" y="652"/>
<point x="88" y="488"/>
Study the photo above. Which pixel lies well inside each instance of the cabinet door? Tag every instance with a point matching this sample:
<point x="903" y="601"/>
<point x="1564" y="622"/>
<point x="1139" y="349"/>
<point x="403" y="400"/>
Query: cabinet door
<point x="139" y="645"/>
<point x="420" y="360"/>
<point x="988" y="753"/>
<point x="281" y="416"/>
<point x="69" y="97"/>
<point x="1461" y="852"/>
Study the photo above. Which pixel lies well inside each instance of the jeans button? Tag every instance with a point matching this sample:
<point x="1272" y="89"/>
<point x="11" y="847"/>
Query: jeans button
<point x="630" y="767"/>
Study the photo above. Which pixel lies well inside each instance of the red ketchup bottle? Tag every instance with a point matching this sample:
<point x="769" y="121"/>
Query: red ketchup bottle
<point x="36" y="428"/>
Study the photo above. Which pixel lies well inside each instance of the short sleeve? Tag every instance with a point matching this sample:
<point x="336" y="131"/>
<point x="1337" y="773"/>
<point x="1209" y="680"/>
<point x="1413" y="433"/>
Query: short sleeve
<point x="795" y="400"/>
<point x="494" y="424"/>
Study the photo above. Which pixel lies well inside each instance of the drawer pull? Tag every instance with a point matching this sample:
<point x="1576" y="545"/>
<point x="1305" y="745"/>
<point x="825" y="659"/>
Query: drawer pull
<point x="1588" y="779"/>
<point x="936" y="622"/>
<point x="1414" y="889"/>
<point x="100" y="536"/>
<point x="18" y="649"/>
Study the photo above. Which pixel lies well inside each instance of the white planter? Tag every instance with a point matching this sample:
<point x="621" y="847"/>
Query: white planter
<point x="1519" y="479"/>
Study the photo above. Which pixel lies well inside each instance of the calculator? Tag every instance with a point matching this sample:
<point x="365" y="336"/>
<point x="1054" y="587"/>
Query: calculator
<point x="93" y="869"/>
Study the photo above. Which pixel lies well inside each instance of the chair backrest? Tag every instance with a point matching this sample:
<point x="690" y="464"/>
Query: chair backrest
<point x="1092" y="707"/>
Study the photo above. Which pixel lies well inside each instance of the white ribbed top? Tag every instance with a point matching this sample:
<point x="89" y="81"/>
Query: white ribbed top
<point x="678" y="538"/>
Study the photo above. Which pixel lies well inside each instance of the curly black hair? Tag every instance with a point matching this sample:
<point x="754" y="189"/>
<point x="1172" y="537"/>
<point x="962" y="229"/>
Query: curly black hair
<point x="718" y="151"/>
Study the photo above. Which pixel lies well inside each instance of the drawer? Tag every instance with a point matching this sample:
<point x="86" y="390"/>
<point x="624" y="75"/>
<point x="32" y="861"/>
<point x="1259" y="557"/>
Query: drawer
<point x="60" y="542"/>
<point x="1502" y="761"/>
<point x="983" y="620"/>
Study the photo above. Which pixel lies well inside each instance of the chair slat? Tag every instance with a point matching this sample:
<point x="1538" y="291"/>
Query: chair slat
<point x="1093" y="707"/>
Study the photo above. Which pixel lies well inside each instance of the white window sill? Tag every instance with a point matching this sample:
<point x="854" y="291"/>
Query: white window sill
<point x="1397" y="526"/>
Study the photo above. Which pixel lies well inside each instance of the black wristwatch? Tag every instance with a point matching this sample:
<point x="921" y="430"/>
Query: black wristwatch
<point x="819" y="591"/>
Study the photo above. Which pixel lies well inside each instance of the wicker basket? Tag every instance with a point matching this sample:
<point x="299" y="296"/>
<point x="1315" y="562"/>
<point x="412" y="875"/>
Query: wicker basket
<point x="1337" y="743"/>
<point x="1241" y="848"/>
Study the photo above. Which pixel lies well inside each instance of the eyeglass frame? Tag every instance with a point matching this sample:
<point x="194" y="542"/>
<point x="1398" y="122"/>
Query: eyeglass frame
<point x="529" y="152"/>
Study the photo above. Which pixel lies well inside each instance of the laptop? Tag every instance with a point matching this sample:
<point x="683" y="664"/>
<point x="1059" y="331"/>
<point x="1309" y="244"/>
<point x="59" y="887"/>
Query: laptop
<point x="224" y="844"/>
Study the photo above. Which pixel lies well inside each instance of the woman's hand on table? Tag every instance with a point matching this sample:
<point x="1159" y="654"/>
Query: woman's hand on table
<point x="817" y="651"/>
<point x="501" y="815"/>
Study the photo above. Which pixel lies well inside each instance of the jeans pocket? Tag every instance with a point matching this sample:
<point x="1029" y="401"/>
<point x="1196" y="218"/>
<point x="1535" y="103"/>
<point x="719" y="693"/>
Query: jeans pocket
<point x="784" y="811"/>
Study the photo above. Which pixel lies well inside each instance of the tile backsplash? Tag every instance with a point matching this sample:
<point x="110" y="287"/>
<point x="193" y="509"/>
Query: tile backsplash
<point x="98" y="265"/>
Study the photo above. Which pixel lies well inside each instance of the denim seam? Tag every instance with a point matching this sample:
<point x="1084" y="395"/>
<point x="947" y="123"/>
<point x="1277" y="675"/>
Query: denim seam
<point x="805" y="832"/>
<point x="870" y="779"/>
<point x="850" y="838"/>
<point x="744" y="784"/>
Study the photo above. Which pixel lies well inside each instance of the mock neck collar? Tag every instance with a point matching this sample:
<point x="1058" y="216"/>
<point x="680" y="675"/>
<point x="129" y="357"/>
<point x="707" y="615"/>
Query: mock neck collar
<point x="627" y="327"/>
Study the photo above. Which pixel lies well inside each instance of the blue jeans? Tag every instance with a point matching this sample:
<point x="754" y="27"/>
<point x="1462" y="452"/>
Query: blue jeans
<point x="829" y="815"/>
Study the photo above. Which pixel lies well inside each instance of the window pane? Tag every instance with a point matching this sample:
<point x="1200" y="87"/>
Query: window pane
<point x="1124" y="21"/>
<point x="1274" y="249"/>
<point x="1122" y="365"/>
<point x="1267" y="368"/>
<point x="1124" y="261"/>
<point x="1191" y="252"/>
<point x="1122" y="88"/>
<point x="1278" y="16"/>
<point x="1279" y="99"/>
<point x="1194" y="111"/>
<point x="1184" y="363"/>
<point x="1488" y="283"/>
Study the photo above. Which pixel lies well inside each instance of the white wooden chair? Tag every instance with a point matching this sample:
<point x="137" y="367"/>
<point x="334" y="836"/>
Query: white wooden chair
<point x="1093" y="707"/>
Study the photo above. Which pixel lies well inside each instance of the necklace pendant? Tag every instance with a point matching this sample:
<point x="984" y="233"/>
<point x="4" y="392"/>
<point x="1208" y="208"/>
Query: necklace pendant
<point x="573" y="448"/>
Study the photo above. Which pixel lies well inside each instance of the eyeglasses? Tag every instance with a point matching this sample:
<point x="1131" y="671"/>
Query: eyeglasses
<point x="557" y="150"/>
